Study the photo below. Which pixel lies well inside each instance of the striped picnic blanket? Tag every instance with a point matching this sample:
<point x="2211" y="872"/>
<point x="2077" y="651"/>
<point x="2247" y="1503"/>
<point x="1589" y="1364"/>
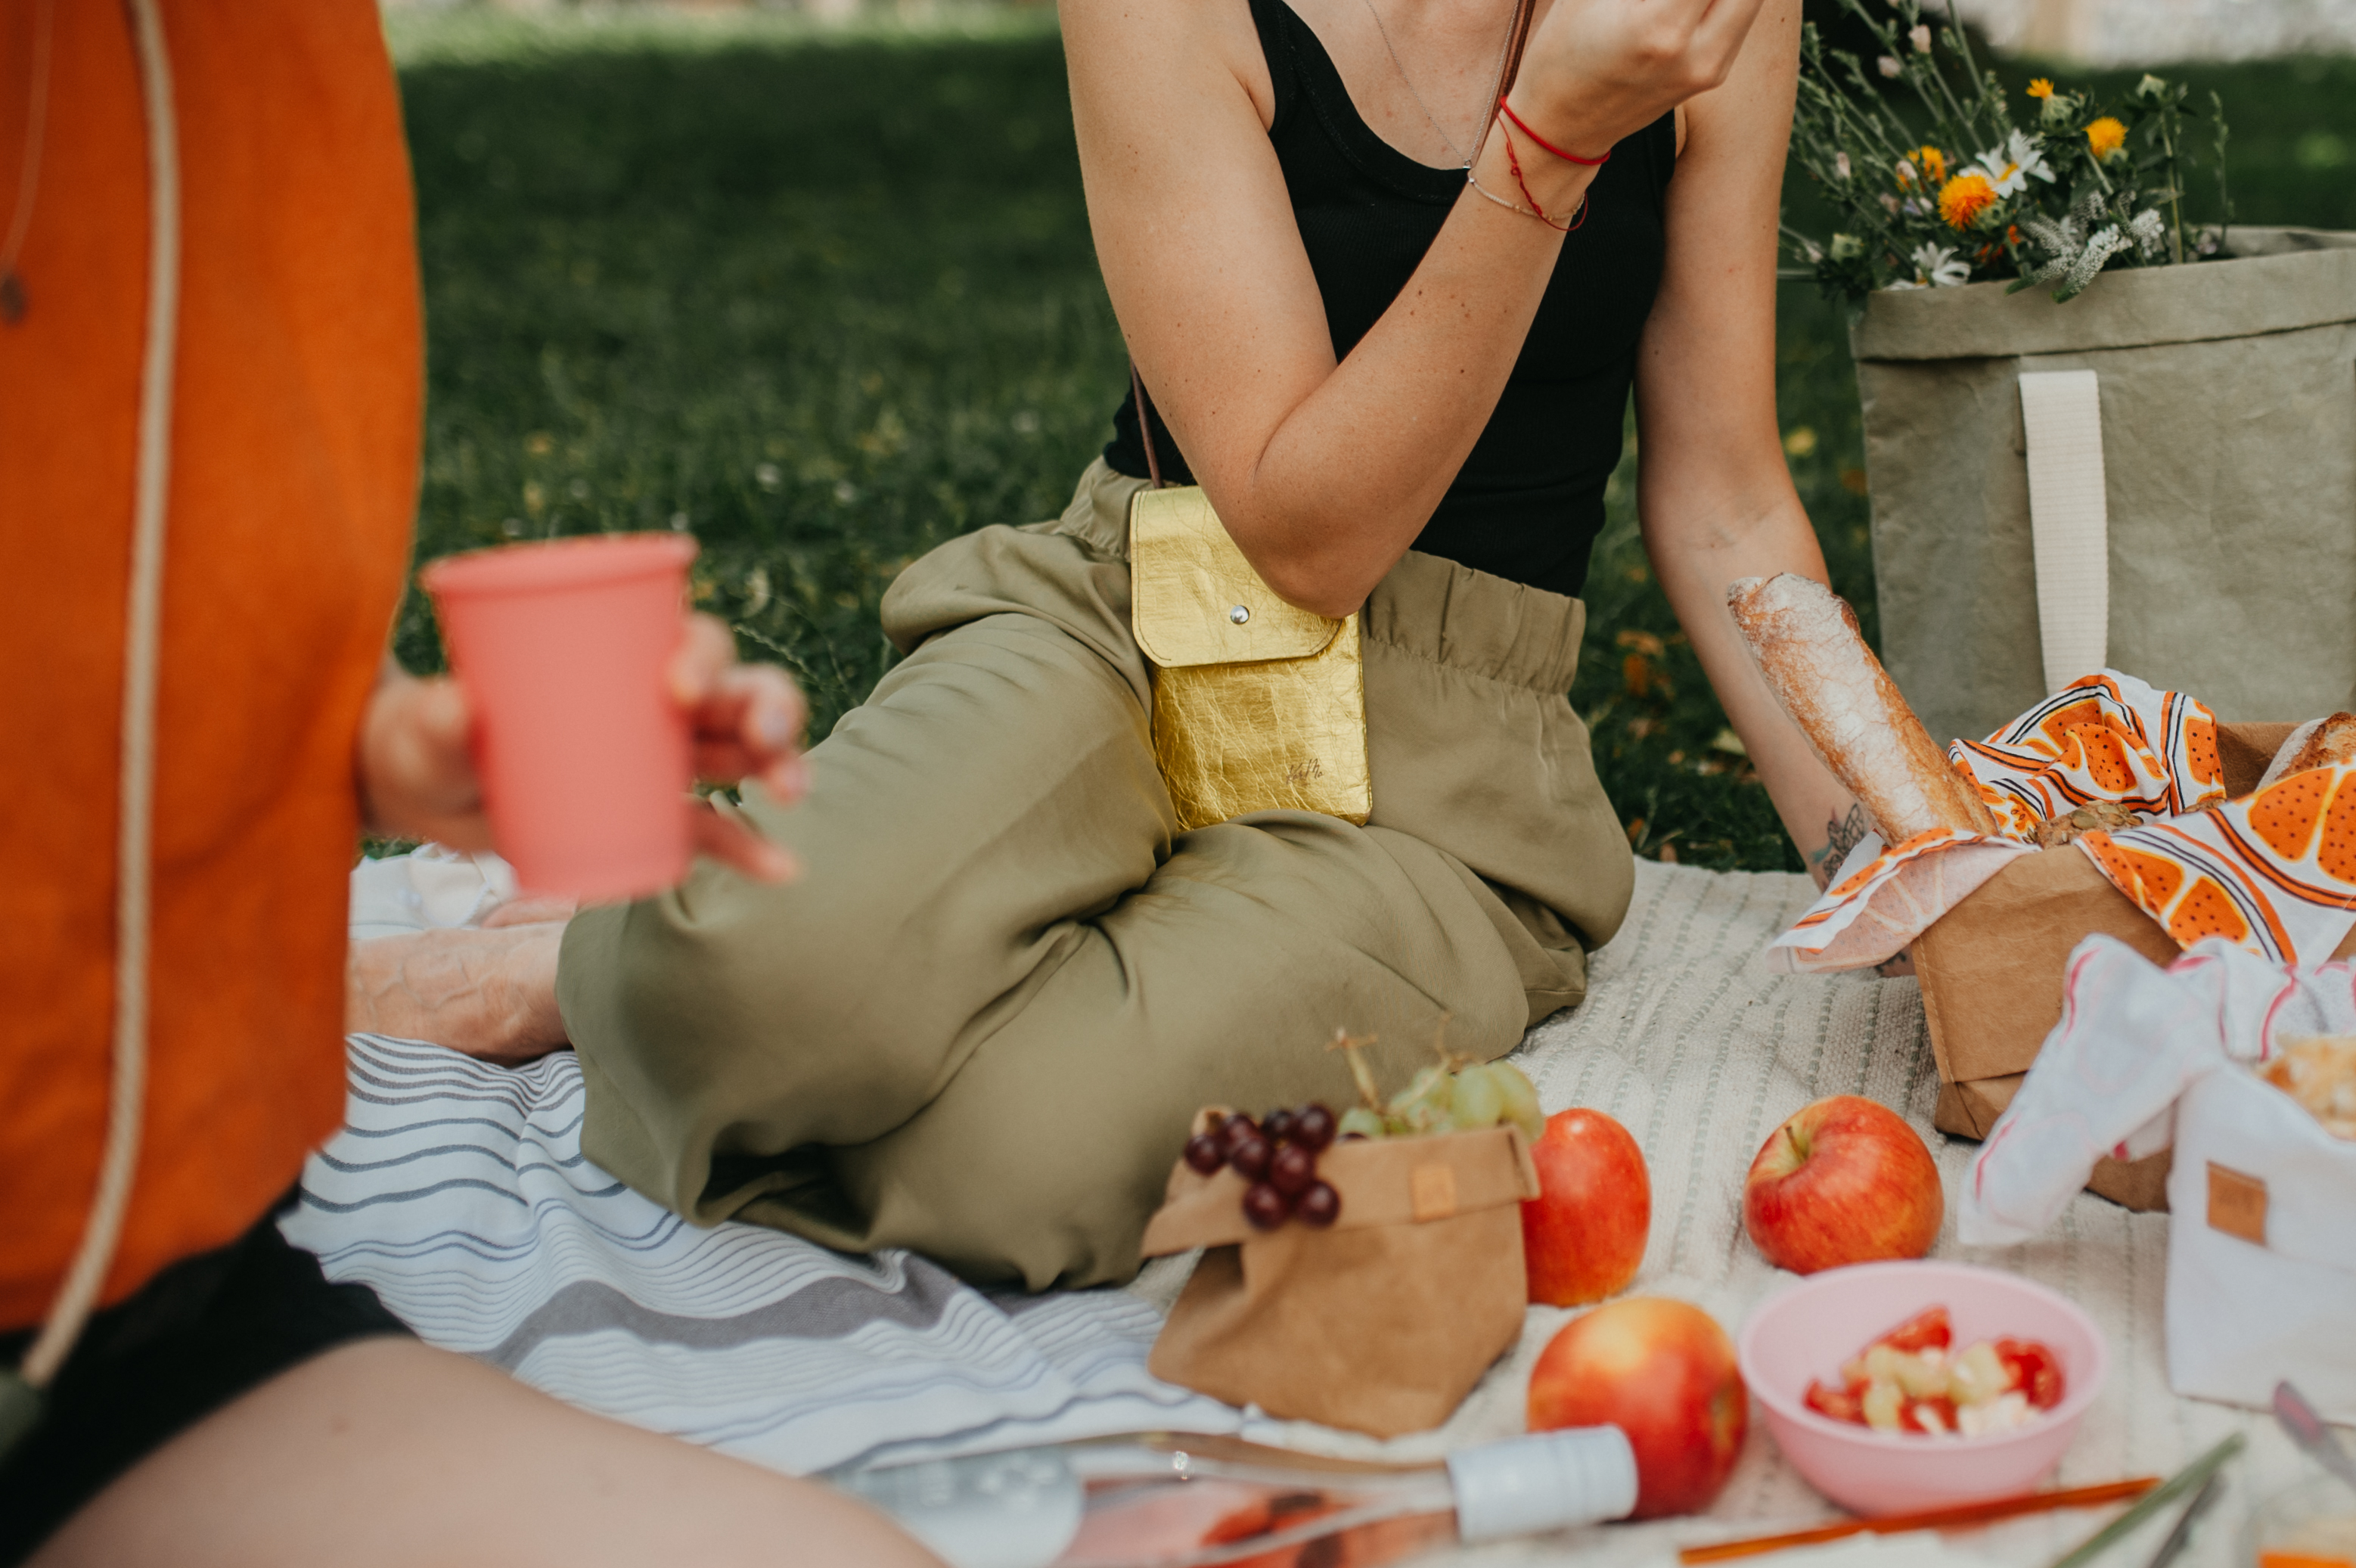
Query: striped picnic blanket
<point x="458" y="1191"/>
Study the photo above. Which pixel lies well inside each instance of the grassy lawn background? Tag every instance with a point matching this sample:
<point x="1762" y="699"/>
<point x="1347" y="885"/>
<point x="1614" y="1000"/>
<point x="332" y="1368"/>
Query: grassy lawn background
<point x="826" y="298"/>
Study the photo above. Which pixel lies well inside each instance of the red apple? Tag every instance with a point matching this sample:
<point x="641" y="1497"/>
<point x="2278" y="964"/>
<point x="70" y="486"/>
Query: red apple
<point x="1844" y="1181"/>
<point x="1583" y="1235"/>
<point x="1661" y="1371"/>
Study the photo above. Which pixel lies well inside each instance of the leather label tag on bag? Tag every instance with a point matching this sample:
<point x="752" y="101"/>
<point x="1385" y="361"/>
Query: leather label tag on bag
<point x="1431" y="1192"/>
<point x="2237" y="1204"/>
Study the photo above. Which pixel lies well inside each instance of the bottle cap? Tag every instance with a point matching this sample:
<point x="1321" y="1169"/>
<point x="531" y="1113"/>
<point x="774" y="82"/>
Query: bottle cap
<point x="1548" y="1480"/>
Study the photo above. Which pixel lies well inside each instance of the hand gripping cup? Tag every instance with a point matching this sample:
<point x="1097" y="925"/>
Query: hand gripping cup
<point x="564" y="649"/>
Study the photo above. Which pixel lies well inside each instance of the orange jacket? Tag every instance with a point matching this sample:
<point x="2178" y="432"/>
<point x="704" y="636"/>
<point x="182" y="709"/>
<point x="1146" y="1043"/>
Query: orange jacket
<point x="295" y="442"/>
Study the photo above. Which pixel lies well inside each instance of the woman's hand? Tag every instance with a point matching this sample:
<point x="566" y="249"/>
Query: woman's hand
<point x="1597" y="71"/>
<point x="416" y="767"/>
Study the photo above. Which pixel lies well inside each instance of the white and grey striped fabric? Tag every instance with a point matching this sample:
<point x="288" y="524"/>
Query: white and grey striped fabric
<point x="459" y="1193"/>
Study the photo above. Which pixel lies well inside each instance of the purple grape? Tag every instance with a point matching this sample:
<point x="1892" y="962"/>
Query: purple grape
<point x="1250" y="1158"/>
<point x="1234" y="1131"/>
<point x="1293" y="1170"/>
<point x="1319" y="1206"/>
<point x="1277" y="1126"/>
<point x="1313" y="1129"/>
<point x="1203" y="1154"/>
<point x="1265" y="1207"/>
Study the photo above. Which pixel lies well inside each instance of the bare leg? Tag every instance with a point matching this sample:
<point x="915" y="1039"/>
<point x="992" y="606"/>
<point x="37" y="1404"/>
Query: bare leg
<point x="387" y="1452"/>
<point x="490" y="993"/>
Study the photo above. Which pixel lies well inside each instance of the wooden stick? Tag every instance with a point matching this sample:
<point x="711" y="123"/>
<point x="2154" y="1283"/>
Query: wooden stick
<point x="1936" y="1519"/>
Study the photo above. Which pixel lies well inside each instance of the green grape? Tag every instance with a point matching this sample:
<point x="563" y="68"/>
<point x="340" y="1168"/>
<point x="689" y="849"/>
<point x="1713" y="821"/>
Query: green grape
<point x="1365" y="1124"/>
<point x="1423" y="1105"/>
<point x="1521" y="1106"/>
<point x="1479" y="1100"/>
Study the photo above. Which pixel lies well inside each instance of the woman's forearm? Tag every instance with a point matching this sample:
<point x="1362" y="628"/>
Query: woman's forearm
<point x="1769" y="535"/>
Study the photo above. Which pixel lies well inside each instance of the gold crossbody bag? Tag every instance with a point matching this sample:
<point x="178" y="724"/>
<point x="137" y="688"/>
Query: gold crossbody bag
<point x="1259" y="705"/>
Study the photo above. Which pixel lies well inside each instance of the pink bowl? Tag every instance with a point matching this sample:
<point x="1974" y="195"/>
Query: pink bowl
<point x="1809" y="1330"/>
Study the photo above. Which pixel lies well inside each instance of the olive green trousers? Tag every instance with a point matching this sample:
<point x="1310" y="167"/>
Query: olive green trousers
<point x="979" y="1021"/>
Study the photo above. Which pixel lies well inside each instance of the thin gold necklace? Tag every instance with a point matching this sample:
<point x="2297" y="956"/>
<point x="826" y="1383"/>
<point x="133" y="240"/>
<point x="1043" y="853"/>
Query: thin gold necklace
<point x="29" y="182"/>
<point x="1464" y="159"/>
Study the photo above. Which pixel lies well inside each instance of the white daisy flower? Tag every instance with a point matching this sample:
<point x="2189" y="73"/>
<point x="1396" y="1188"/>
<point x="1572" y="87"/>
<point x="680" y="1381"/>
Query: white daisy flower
<point x="2009" y="168"/>
<point x="1937" y="266"/>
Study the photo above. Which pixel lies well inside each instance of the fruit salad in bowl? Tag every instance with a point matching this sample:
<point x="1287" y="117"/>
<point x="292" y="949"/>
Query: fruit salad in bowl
<point x="1915" y="1378"/>
<point x="1901" y="1386"/>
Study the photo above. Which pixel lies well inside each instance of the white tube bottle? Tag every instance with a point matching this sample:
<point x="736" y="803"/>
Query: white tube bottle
<point x="1179" y="1503"/>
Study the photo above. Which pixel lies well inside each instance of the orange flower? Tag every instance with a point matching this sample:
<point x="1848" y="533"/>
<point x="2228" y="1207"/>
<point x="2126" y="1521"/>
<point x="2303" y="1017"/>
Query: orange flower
<point x="2041" y="88"/>
<point x="2105" y="136"/>
<point x="1963" y="199"/>
<point x="1931" y="162"/>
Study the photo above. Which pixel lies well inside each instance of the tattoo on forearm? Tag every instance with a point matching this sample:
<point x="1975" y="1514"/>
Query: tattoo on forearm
<point x="1841" y="835"/>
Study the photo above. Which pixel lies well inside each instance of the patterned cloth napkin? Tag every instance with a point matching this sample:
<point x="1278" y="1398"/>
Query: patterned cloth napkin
<point x="2274" y="873"/>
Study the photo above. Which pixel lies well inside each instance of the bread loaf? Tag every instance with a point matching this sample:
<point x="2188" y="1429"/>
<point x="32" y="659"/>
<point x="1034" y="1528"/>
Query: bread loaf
<point x="1807" y="646"/>
<point x="2319" y="742"/>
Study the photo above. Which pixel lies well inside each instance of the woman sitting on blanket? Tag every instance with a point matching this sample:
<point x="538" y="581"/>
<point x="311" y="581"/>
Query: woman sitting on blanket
<point x="978" y="1021"/>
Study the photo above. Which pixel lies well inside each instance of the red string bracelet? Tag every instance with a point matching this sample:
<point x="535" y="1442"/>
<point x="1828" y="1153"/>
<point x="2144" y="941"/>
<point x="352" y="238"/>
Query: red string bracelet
<point x="1534" y="209"/>
<point x="1549" y="147"/>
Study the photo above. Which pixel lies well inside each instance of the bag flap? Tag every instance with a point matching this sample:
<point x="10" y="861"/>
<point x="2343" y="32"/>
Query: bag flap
<point x="1382" y="1181"/>
<point x="2132" y="308"/>
<point x="1188" y="580"/>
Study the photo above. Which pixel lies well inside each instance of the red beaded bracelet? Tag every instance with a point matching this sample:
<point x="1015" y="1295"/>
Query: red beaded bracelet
<point x="1549" y="147"/>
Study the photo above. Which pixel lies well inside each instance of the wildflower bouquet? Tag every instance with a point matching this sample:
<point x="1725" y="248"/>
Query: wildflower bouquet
<point x="1965" y="194"/>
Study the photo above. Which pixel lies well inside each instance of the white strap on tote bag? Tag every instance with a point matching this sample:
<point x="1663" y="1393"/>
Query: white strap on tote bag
<point x="2069" y="524"/>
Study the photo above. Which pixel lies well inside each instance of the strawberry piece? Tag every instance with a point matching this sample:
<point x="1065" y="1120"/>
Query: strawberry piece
<point x="1926" y="1330"/>
<point x="1841" y="1404"/>
<point x="2034" y="1371"/>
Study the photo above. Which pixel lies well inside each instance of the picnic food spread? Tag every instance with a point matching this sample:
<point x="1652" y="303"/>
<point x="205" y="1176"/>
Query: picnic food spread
<point x="1913" y="1380"/>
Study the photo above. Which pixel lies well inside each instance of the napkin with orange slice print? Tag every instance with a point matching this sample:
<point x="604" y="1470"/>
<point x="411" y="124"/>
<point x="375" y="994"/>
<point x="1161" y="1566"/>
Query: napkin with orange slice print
<point x="2274" y="872"/>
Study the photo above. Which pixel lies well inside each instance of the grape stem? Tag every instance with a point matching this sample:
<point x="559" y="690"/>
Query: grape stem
<point x="1364" y="1076"/>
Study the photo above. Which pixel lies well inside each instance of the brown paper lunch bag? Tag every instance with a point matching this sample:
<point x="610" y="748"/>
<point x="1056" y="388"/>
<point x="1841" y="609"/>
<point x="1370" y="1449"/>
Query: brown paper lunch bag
<point x="2227" y="419"/>
<point x="1991" y="970"/>
<point x="1381" y="1323"/>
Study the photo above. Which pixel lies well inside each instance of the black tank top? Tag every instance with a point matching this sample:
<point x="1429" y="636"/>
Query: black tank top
<point x="1528" y="502"/>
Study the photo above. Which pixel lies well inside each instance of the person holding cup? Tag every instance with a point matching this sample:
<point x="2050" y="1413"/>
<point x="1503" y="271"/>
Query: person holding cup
<point x="210" y="384"/>
<point x="1389" y="271"/>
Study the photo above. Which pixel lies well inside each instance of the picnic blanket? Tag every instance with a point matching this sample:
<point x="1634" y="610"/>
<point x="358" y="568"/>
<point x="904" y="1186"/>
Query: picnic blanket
<point x="458" y="1192"/>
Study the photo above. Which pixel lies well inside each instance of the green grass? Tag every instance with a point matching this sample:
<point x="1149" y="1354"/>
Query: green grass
<point x="826" y="297"/>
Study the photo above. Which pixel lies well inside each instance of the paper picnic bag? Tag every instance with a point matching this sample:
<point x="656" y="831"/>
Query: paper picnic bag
<point x="1381" y="1323"/>
<point x="2220" y="450"/>
<point x="2261" y="1249"/>
<point x="1992" y="971"/>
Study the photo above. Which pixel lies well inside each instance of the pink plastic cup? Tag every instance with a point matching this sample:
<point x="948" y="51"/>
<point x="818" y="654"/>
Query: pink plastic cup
<point x="563" y="649"/>
<point x="1809" y="1330"/>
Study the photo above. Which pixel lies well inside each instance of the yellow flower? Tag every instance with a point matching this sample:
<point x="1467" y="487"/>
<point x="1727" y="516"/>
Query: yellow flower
<point x="2105" y="136"/>
<point x="1935" y="163"/>
<point x="2041" y="88"/>
<point x="1963" y="199"/>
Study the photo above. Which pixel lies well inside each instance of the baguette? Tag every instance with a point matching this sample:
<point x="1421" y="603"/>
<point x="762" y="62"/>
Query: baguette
<point x="2317" y="742"/>
<point x="1806" y="644"/>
